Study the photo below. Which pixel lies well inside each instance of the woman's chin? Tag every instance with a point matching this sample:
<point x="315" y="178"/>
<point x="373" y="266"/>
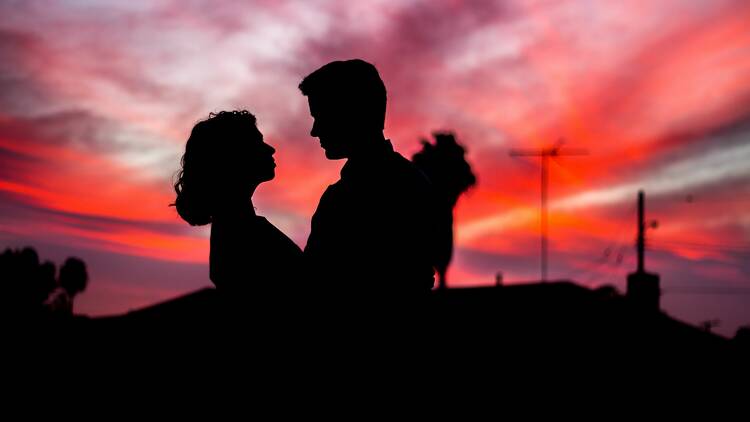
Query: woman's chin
<point x="269" y="175"/>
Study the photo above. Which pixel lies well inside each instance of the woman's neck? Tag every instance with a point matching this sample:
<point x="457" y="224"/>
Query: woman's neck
<point x="234" y="208"/>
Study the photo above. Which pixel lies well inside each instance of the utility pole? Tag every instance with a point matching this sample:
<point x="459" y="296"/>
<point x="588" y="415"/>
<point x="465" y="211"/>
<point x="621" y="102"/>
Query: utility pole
<point x="641" y="244"/>
<point x="643" y="287"/>
<point x="545" y="154"/>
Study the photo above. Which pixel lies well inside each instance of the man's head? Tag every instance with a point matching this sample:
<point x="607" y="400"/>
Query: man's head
<point x="347" y="102"/>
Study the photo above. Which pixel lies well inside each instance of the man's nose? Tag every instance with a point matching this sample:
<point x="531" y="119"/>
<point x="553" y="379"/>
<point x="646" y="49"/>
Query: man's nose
<point x="314" y="130"/>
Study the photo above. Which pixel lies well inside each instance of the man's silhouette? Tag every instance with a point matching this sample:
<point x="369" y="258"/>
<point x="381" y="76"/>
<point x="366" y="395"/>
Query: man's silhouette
<point x="373" y="230"/>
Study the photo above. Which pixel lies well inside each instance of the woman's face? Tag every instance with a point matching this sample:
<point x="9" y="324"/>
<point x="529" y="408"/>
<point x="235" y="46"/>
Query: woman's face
<point x="262" y="165"/>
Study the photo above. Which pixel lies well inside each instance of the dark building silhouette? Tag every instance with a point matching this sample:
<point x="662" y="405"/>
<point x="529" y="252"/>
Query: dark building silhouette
<point x="741" y="340"/>
<point x="551" y="317"/>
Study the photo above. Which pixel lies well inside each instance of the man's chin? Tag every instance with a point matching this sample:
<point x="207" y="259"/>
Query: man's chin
<point x="334" y="155"/>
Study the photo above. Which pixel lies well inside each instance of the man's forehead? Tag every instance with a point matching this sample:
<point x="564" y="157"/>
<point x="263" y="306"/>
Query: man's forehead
<point x="321" y="104"/>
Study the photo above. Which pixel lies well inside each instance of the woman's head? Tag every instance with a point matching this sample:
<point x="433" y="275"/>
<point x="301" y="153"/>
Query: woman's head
<point x="225" y="160"/>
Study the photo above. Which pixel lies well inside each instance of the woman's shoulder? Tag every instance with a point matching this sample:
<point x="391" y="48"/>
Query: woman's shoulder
<point x="251" y="233"/>
<point x="252" y="249"/>
<point x="268" y="229"/>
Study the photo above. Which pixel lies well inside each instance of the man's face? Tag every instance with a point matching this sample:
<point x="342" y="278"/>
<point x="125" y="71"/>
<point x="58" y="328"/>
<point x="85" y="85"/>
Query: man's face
<point x="332" y="127"/>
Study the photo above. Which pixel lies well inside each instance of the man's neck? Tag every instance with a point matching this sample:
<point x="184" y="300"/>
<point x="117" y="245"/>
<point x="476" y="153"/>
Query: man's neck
<point x="367" y="146"/>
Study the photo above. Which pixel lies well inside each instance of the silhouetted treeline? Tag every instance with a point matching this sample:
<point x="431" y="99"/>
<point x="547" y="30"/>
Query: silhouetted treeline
<point x="35" y="289"/>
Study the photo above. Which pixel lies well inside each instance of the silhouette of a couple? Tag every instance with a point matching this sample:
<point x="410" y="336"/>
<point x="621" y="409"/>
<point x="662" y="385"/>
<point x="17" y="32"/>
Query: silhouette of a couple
<point x="375" y="232"/>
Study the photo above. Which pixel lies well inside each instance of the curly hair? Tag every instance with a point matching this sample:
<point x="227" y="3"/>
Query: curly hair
<point x="209" y="152"/>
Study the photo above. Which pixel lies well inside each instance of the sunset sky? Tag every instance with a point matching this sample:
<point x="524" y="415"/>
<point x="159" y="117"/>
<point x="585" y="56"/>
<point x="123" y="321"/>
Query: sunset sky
<point x="97" y="99"/>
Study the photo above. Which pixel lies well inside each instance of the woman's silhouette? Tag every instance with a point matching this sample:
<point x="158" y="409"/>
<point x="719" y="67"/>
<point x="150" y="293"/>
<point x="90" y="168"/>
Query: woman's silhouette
<point x="224" y="162"/>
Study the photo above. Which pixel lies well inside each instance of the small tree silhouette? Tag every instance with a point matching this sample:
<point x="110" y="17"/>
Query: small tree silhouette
<point x="46" y="281"/>
<point x="444" y="163"/>
<point x="73" y="277"/>
<point x="33" y="289"/>
<point x="21" y="275"/>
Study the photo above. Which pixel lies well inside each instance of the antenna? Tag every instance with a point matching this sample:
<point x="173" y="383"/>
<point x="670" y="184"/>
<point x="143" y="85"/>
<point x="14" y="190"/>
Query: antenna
<point x="545" y="154"/>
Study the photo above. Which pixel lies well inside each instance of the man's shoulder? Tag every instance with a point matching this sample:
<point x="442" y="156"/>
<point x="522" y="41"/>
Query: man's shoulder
<point x="334" y="196"/>
<point x="409" y="175"/>
<point x="393" y="173"/>
<point x="334" y="189"/>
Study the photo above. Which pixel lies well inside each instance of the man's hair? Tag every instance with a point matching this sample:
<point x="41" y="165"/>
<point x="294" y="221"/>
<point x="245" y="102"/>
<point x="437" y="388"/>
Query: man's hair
<point x="355" y="84"/>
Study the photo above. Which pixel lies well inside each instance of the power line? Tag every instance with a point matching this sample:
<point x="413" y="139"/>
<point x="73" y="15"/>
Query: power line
<point x="728" y="246"/>
<point x="617" y="243"/>
<point x="707" y="291"/>
<point x="670" y="248"/>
